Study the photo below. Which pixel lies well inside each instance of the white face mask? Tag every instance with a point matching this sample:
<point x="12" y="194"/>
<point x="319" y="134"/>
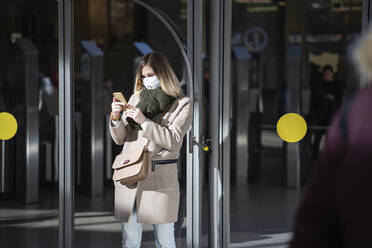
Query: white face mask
<point x="151" y="82"/>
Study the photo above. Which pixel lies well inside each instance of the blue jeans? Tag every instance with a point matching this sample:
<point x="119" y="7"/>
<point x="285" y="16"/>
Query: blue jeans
<point x="132" y="233"/>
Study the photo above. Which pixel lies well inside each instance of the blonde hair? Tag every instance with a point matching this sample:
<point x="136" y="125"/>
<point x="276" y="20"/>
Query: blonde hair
<point x="363" y="54"/>
<point x="162" y="69"/>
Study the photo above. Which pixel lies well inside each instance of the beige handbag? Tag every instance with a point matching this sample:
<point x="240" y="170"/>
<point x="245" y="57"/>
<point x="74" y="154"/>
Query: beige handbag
<point x="131" y="166"/>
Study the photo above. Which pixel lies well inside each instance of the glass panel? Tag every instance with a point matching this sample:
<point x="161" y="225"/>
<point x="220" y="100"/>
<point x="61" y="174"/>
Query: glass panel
<point x="281" y="52"/>
<point x="110" y="38"/>
<point x="28" y="91"/>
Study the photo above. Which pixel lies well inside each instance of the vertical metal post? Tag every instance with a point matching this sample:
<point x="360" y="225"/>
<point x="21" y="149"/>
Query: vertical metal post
<point x="241" y="98"/>
<point x="108" y="149"/>
<point x="66" y="175"/>
<point x="194" y="180"/>
<point x="366" y="22"/>
<point x="91" y="78"/>
<point x="226" y="118"/>
<point x="294" y="77"/>
<point x="27" y="139"/>
<point x="220" y="102"/>
<point x="55" y="176"/>
<point x="2" y="179"/>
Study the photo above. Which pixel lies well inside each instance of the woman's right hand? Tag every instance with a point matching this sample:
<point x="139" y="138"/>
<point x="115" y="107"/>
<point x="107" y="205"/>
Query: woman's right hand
<point x="116" y="107"/>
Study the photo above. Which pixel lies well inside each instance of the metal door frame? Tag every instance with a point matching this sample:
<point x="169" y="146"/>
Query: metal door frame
<point x="220" y="116"/>
<point x="66" y="134"/>
<point x="194" y="154"/>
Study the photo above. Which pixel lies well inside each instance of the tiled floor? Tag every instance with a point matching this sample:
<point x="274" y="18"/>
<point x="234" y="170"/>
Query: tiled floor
<point x="254" y="221"/>
<point x="261" y="216"/>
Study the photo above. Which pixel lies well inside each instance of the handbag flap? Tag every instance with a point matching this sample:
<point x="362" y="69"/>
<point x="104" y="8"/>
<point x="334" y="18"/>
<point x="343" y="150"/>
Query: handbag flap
<point x="127" y="158"/>
<point x="127" y="172"/>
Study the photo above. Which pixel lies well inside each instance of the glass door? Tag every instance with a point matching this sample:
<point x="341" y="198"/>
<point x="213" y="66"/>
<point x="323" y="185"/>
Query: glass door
<point x="29" y="124"/>
<point x="110" y="38"/>
<point x="283" y="53"/>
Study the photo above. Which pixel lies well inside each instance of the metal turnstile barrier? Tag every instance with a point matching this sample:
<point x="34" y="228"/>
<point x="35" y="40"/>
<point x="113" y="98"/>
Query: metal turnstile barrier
<point x="92" y="116"/>
<point x="293" y="106"/>
<point x="245" y="104"/>
<point x="27" y="115"/>
<point x="6" y="167"/>
<point x="48" y="155"/>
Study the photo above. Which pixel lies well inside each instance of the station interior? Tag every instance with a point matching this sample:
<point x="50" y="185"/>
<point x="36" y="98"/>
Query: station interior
<point x="280" y="51"/>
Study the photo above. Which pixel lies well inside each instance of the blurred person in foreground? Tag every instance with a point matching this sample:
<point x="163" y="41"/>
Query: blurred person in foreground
<point x="336" y="208"/>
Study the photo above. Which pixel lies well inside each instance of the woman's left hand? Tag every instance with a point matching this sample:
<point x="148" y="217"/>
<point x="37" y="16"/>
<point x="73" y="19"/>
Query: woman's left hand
<point x="136" y="114"/>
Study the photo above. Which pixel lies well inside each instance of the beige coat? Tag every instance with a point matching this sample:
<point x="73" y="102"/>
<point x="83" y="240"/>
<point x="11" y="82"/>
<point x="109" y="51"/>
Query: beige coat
<point x="157" y="196"/>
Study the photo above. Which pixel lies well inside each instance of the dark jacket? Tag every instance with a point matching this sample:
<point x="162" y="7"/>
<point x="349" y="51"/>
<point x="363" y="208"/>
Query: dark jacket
<point x="336" y="207"/>
<point x="323" y="108"/>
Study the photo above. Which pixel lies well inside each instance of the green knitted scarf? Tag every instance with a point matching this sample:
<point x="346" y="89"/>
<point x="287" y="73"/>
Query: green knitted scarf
<point x="152" y="102"/>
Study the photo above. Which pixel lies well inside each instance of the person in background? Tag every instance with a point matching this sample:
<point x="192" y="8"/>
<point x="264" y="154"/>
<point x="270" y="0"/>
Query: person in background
<point x="336" y="206"/>
<point x="326" y="99"/>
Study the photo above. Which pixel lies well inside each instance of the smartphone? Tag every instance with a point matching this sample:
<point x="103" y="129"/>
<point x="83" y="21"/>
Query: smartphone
<point x="120" y="97"/>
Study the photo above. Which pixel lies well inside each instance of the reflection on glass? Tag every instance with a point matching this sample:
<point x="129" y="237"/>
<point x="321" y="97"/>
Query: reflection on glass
<point x="286" y="58"/>
<point x="28" y="91"/>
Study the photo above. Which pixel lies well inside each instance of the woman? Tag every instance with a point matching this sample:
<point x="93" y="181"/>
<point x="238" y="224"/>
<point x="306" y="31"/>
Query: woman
<point x="157" y="112"/>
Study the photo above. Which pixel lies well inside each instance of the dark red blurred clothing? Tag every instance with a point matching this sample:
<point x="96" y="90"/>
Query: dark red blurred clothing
<point x="336" y="207"/>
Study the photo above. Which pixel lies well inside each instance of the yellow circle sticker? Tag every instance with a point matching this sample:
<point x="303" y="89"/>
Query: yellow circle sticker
<point x="8" y="126"/>
<point x="291" y="127"/>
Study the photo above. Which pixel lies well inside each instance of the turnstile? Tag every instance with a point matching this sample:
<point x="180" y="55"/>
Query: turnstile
<point x="293" y="106"/>
<point x="244" y="103"/>
<point x="27" y="115"/>
<point x="246" y="92"/>
<point x="248" y="126"/>
<point x="6" y="163"/>
<point x="49" y="145"/>
<point x="92" y="161"/>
